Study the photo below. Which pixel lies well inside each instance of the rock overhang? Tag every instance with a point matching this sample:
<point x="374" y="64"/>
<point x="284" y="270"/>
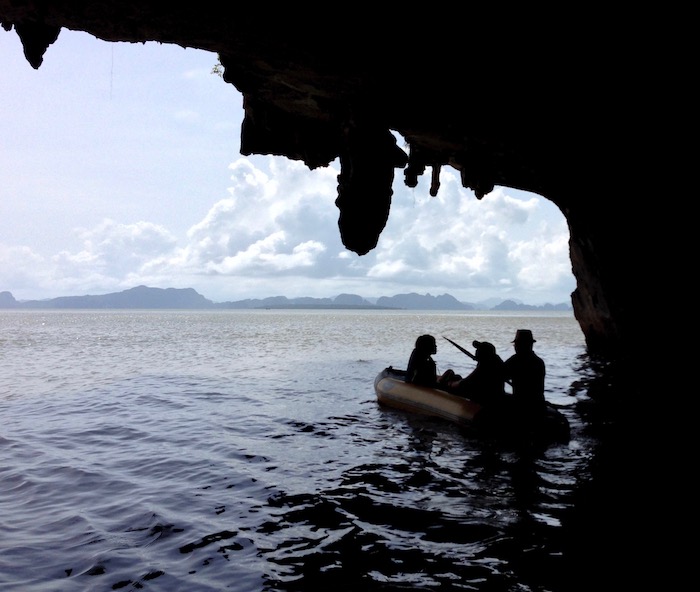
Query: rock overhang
<point x="505" y="102"/>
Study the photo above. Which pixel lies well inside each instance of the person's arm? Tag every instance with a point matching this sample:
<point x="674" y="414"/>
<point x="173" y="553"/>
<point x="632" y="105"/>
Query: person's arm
<point x="543" y="374"/>
<point x="508" y="369"/>
<point x="410" y="369"/>
<point x="467" y="385"/>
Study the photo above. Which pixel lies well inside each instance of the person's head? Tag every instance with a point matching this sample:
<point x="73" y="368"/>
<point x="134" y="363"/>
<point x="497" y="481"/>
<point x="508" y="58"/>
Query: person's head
<point x="523" y="340"/>
<point x="426" y="343"/>
<point x="484" y="350"/>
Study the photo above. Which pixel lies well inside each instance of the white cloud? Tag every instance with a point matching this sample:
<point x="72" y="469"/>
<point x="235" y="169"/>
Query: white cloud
<point x="277" y="232"/>
<point x="282" y="232"/>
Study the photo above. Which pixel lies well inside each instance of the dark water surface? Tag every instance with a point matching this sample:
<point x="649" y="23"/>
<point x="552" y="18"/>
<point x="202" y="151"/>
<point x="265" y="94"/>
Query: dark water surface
<point x="246" y="451"/>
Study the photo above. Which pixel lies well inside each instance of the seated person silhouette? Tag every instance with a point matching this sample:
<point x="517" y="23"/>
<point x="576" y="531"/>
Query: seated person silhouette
<point x="421" y="367"/>
<point x="486" y="383"/>
<point x="526" y="371"/>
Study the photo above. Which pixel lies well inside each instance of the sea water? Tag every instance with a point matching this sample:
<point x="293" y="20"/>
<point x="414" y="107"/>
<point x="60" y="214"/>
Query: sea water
<point x="245" y="450"/>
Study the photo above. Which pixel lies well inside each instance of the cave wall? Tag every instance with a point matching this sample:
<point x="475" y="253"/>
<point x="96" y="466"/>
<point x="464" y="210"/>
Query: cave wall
<point x="503" y="99"/>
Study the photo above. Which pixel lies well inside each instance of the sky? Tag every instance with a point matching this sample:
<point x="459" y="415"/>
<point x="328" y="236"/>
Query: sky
<point x="120" y="166"/>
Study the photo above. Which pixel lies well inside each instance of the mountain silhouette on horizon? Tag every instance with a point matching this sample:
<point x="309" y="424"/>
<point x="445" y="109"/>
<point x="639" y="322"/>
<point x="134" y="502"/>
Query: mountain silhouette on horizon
<point x="143" y="297"/>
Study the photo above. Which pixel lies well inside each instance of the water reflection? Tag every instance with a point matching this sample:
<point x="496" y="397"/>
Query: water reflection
<point x="279" y="471"/>
<point x="445" y="511"/>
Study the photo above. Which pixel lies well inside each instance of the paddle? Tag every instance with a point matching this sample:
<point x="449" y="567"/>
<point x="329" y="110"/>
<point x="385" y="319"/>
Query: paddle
<point x="460" y="348"/>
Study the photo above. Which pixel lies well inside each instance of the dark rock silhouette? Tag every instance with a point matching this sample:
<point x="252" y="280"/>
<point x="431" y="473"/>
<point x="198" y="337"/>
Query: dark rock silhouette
<point x="337" y="86"/>
<point x="413" y="301"/>
<point x="512" y="305"/>
<point x="142" y="297"/>
<point x="7" y="300"/>
<point x="138" y="297"/>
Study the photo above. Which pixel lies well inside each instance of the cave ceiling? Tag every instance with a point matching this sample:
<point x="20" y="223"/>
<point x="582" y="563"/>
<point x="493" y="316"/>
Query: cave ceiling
<point x="516" y="100"/>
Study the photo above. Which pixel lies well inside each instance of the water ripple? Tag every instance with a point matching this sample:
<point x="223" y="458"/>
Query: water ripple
<point x="188" y="466"/>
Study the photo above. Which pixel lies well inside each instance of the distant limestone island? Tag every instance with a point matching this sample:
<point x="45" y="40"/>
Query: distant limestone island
<point x="143" y="297"/>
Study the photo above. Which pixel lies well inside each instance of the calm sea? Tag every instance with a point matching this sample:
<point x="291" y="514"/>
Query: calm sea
<point x="239" y="450"/>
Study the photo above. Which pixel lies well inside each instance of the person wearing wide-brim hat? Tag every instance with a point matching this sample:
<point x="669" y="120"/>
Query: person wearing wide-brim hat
<point x="526" y="372"/>
<point x="524" y="336"/>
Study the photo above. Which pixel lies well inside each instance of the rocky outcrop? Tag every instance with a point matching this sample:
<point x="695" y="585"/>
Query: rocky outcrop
<point x="505" y="99"/>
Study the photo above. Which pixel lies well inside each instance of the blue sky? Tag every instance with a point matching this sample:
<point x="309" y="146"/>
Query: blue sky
<point x="121" y="166"/>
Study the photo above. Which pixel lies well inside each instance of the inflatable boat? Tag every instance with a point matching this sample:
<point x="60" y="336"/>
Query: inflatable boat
<point x="393" y="391"/>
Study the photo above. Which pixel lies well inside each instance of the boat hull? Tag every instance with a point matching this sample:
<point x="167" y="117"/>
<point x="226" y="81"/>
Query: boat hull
<point x="393" y="391"/>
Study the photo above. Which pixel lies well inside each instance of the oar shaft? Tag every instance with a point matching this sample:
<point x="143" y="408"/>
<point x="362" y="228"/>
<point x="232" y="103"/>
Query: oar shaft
<point x="460" y="348"/>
